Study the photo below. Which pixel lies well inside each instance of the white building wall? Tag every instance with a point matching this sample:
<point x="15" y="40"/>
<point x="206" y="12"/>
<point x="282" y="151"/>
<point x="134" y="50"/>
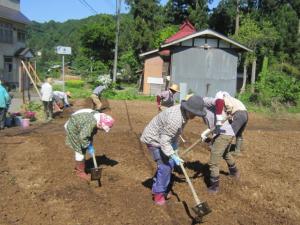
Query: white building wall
<point x="9" y="50"/>
<point x="12" y="4"/>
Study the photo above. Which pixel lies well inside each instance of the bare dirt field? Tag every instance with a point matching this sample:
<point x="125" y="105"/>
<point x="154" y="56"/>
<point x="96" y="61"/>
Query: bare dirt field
<point x="38" y="185"/>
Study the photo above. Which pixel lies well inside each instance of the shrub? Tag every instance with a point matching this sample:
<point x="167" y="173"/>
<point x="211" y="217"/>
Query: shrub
<point x="74" y="83"/>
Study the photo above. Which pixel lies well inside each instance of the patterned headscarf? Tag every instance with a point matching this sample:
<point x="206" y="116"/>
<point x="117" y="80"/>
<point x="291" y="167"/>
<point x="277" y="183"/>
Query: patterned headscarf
<point x="104" y="121"/>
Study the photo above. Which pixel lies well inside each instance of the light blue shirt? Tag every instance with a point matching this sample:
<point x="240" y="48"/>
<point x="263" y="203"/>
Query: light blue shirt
<point x="4" y="97"/>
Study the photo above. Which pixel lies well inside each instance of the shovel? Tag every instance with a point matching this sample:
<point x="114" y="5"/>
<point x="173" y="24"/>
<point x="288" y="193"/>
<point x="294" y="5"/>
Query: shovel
<point x="201" y="209"/>
<point x="96" y="171"/>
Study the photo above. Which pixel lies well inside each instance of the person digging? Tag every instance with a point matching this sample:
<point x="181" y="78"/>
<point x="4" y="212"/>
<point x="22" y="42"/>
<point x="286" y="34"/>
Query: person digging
<point x="166" y="98"/>
<point x="225" y="130"/>
<point x="96" y="97"/>
<point x="161" y="136"/>
<point x="80" y="130"/>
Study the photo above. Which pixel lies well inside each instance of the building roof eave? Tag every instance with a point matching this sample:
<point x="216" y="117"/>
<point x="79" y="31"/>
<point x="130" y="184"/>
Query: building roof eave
<point x="207" y="32"/>
<point x="142" y="55"/>
<point x="13" y="15"/>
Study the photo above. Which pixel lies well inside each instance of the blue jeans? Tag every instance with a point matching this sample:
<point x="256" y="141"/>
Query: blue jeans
<point x="164" y="170"/>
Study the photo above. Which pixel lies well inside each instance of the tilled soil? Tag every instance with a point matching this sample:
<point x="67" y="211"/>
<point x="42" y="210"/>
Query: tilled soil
<point x="38" y="185"/>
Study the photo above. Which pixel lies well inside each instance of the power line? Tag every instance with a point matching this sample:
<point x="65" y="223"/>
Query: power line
<point x="87" y="5"/>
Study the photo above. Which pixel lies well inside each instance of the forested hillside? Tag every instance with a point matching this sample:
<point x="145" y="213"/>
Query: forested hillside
<point x="270" y="27"/>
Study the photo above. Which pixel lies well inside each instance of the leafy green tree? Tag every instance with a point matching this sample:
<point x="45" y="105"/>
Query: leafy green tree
<point x="176" y="11"/>
<point x="128" y="65"/>
<point x="222" y="18"/>
<point x="147" y="15"/>
<point x="163" y="34"/>
<point x="97" y="39"/>
<point x="258" y="38"/>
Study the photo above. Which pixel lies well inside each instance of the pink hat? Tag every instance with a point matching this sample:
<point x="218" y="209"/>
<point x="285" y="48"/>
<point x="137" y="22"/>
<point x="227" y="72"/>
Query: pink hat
<point x="105" y="122"/>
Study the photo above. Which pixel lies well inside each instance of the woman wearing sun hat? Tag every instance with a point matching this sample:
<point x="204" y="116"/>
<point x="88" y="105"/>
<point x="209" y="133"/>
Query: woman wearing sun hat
<point x="80" y="129"/>
<point x="166" y="98"/>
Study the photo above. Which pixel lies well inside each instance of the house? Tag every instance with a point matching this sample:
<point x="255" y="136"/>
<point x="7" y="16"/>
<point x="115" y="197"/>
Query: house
<point x="204" y="61"/>
<point x="157" y="63"/>
<point x="12" y="41"/>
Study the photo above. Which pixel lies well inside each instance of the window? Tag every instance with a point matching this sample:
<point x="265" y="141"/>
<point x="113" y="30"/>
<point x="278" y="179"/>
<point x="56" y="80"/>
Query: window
<point x="6" y="33"/>
<point x="8" y="64"/>
<point x="21" y="36"/>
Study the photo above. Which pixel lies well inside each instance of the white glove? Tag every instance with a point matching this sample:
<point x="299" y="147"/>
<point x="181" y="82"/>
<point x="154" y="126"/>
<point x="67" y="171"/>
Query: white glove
<point x="204" y="134"/>
<point x="220" y="119"/>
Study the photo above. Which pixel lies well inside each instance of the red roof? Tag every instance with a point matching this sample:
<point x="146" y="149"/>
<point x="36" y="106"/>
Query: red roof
<point x="185" y="29"/>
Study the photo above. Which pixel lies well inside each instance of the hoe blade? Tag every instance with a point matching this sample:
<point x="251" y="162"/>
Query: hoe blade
<point x="96" y="173"/>
<point x="201" y="209"/>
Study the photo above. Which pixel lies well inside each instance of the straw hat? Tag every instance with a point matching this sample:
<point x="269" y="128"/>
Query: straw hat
<point x="49" y="80"/>
<point x="188" y="96"/>
<point x="174" y="87"/>
<point x="69" y="94"/>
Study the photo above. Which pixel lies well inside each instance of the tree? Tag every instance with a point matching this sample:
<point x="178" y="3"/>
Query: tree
<point x="256" y="38"/>
<point x="97" y="39"/>
<point x="163" y="34"/>
<point x="147" y="15"/>
<point x="223" y="17"/>
<point x="176" y="11"/>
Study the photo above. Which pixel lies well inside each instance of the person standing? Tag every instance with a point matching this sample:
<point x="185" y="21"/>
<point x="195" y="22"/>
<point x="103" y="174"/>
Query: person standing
<point x="47" y="98"/>
<point x="4" y="104"/>
<point x="96" y="97"/>
<point x="166" y="98"/>
<point x="80" y="129"/>
<point x="229" y="117"/>
<point x="161" y="137"/>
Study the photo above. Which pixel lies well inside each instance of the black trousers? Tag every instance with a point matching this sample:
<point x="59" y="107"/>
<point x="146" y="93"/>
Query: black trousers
<point x="48" y="109"/>
<point x="2" y="117"/>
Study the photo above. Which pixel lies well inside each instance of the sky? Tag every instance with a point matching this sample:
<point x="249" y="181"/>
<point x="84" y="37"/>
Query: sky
<point x="62" y="10"/>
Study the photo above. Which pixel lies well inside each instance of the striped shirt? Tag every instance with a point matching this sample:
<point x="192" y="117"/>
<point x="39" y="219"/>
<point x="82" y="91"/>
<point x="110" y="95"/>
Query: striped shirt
<point x="164" y="129"/>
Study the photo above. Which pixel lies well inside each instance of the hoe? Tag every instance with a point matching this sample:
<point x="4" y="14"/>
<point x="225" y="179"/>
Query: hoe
<point x="201" y="209"/>
<point x="96" y="171"/>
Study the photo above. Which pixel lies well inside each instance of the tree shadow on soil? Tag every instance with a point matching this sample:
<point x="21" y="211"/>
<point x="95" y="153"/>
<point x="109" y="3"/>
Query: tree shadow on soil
<point x="102" y="160"/>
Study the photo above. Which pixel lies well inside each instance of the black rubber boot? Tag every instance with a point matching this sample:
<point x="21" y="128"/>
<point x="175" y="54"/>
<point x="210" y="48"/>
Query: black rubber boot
<point x="233" y="171"/>
<point x="214" y="185"/>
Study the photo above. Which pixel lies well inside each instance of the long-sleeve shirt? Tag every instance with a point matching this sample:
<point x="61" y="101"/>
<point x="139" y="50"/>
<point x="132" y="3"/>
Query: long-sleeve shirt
<point x="98" y="90"/>
<point x="166" y="98"/>
<point x="61" y="95"/>
<point x="231" y="105"/>
<point x="4" y="97"/>
<point x="46" y="91"/>
<point x="80" y="128"/>
<point x="164" y="129"/>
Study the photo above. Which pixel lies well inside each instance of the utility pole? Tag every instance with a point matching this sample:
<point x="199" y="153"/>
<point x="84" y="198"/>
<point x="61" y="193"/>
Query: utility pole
<point x="237" y="17"/>
<point x="118" y="8"/>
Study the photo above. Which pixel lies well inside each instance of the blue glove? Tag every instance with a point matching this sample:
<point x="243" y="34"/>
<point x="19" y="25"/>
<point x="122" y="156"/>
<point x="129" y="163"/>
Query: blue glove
<point x="176" y="159"/>
<point x="174" y="146"/>
<point x="91" y="149"/>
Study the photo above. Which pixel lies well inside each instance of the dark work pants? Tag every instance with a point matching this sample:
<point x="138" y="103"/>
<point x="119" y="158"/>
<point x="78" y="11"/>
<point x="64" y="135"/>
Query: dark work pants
<point x="48" y="109"/>
<point x="2" y="117"/>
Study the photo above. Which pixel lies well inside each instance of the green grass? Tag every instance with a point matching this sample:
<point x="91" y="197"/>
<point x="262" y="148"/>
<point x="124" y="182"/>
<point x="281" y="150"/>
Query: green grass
<point x="82" y="92"/>
<point x="129" y="93"/>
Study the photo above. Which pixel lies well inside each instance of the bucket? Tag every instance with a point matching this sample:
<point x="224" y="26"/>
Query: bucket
<point x="8" y="122"/>
<point x="25" y="123"/>
<point x="18" y="120"/>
